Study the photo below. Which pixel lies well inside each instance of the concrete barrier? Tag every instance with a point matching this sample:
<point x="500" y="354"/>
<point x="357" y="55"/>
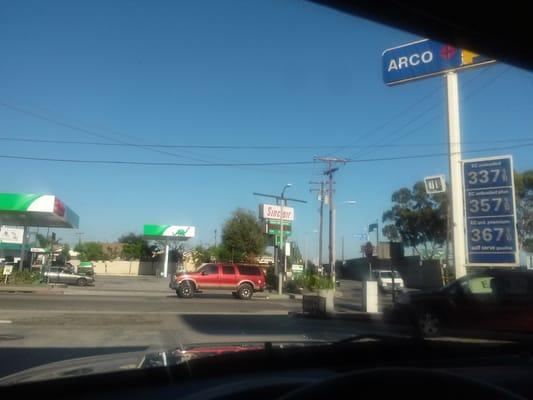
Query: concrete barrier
<point x="130" y="268"/>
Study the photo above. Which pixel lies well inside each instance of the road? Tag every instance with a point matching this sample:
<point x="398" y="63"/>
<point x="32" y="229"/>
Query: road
<point x="58" y="327"/>
<point x="351" y="298"/>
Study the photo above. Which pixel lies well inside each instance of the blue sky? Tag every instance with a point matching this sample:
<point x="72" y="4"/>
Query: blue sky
<point x="227" y="73"/>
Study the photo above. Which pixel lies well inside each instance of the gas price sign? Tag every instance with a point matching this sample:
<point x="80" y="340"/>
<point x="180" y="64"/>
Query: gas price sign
<point x="490" y="211"/>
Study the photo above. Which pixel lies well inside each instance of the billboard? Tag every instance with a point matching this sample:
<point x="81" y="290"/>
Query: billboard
<point x="271" y="211"/>
<point x="490" y="210"/>
<point x="11" y="234"/>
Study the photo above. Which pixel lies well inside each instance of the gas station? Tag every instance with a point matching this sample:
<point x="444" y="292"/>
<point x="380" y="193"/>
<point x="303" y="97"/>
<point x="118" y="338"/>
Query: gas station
<point x="32" y="210"/>
<point x="168" y="234"/>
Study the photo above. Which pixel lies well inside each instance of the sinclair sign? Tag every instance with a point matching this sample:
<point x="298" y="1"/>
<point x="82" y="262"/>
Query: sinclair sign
<point x="271" y="211"/>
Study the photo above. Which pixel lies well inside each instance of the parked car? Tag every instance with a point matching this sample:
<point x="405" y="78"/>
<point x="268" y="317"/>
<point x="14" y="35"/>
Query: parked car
<point x="384" y="279"/>
<point x="85" y="268"/>
<point x="68" y="276"/>
<point x="490" y="301"/>
<point x="240" y="279"/>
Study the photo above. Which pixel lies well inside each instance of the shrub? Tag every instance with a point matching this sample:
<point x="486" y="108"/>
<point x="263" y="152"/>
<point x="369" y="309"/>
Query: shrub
<point x="21" y="277"/>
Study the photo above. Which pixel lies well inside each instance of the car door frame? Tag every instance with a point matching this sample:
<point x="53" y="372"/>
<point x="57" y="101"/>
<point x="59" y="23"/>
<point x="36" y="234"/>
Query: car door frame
<point x="208" y="284"/>
<point x="228" y="283"/>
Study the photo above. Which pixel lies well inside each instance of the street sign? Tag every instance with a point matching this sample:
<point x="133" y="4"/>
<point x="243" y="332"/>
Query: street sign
<point x="435" y="184"/>
<point x="297" y="269"/>
<point x="425" y="58"/>
<point x="8" y="269"/>
<point x="274" y="229"/>
<point x="277" y="232"/>
<point x="490" y="210"/>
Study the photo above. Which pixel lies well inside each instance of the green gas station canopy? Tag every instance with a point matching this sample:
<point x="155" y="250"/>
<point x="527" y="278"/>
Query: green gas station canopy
<point x="170" y="231"/>
<point x="21" y="209"/>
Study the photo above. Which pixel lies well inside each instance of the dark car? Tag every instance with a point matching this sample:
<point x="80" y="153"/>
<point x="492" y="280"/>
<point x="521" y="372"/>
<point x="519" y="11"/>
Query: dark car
<point x="240" y="279"/>
<point x="494" y="300"/>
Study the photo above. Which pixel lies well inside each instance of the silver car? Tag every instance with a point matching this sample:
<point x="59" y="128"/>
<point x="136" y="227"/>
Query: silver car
<point x="68" y="276"/>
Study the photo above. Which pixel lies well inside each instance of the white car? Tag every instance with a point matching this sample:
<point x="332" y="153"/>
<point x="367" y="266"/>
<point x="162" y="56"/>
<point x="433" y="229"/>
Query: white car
<point x="384" y="279"/>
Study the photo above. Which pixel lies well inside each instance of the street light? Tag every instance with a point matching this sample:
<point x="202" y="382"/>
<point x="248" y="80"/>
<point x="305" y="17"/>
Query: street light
<point x="281" y="243"/>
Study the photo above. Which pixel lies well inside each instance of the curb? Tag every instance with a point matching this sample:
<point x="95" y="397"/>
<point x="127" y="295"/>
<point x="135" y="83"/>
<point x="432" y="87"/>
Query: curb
<point x="31" y="291"/>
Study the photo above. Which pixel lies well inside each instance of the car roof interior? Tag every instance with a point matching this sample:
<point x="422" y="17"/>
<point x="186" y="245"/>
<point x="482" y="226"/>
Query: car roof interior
<point x="499" y="30"/>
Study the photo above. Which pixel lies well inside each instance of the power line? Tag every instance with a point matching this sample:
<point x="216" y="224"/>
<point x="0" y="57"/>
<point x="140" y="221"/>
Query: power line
<point x="257" y="147"/>
<point x="87" y="131"/>
<point x="418" y="116"/>
<point x="435" y="117"/>
<point x="252" y="164"/>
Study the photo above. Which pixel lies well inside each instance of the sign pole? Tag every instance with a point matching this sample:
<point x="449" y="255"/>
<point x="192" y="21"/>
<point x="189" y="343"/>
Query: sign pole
<point x="22" y="252"/>
<point x="281" y="248"/>
<point x="456" y="181"/>
<point x="165" y="267"/>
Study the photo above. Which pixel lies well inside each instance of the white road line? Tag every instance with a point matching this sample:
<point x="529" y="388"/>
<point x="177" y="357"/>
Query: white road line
<point x="5" y="321"/>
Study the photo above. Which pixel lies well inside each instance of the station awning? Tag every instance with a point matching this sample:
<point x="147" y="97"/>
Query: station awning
<point x="20" y="209"/>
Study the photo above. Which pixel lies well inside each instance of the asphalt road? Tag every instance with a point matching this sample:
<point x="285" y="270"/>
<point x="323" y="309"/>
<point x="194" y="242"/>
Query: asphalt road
<point x="37" y="329"/>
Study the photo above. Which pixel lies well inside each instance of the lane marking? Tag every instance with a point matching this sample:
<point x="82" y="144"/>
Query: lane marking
<point x="5" y="321"/>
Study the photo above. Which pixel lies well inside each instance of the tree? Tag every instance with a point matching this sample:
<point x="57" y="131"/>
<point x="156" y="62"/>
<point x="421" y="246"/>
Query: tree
<point x="135" y="247"/>
<point x="64" y="256"/>
<point x="90" y="251"/>
<point x="202" y="254"/>
<point x="242" y="236"/>
<point x="418" y="219"/>
<point x="524" y="207"/>
<point x="42" y="241"/>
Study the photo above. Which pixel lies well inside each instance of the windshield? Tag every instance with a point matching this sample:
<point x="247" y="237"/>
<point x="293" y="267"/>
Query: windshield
<point x="389" y="274"/>
<point x="288" y="153"/>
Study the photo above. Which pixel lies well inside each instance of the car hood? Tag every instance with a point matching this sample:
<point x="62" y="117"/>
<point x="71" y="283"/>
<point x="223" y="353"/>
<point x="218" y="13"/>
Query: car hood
<point x="133" y="360"/>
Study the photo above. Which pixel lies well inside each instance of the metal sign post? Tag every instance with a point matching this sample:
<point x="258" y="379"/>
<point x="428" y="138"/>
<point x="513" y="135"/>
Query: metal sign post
<point x="456" y="180"/>
<point x="423" y="59"/>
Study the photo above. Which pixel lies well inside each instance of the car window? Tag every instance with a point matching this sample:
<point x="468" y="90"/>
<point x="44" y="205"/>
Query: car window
<point x="228" y="270"/>
<point x="248" y="270"/>
<point x="515" y="286"/>
<point x="478" y="285"/>
<point x="279" y="145"/>
<point x="210" y="269"/>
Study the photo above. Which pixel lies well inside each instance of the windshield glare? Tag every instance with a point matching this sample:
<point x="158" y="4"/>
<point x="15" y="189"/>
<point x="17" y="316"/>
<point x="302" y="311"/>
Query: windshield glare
<point x="182" y="175"/>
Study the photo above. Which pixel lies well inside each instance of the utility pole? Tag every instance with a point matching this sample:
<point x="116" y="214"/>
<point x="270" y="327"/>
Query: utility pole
<point x="280" y="200"/>
<point x="79" y="237"/>
<point x="343" y="249"/>
<point x="215" y="238"/>
<point x="305" y="249"/>
<point x="321" y="220"/>
<point x="329" y="172"/>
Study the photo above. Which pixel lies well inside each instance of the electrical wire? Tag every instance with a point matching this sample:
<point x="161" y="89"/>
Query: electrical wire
<point x="246" y="164"/>
<point x="435" y="117"/>
<point x="251" y="147"/>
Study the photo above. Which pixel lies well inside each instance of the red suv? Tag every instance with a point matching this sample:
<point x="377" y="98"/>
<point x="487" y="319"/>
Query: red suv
<point x="241" y="279"/>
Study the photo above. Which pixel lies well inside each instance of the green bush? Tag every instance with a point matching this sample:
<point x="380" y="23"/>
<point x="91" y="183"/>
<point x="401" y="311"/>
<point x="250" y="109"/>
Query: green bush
<point x="312" y="282"/>
<point x="20" y="277"/>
